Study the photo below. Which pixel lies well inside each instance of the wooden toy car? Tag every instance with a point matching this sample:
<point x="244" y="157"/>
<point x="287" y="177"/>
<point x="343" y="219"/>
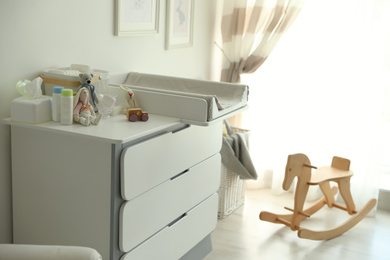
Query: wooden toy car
<point x="136" y="114"/>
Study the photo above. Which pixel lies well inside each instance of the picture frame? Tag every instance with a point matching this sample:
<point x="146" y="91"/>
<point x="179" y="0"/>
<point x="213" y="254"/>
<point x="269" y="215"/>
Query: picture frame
<point x="136" y="17"/>
<point x="179" y="24"/>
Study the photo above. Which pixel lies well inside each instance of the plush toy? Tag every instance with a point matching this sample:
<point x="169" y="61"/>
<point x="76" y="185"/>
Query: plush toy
<point x="129" y="97"/>
<point x="86" y="80"/>
<point x="132" y="111"/>
<point x="83" y="111"/>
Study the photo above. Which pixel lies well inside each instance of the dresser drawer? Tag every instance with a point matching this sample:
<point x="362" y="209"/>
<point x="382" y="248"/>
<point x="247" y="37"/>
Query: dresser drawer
<point x="175" y="240"/>
<point x="145" y="215"/>
<point x="148" y="164"/>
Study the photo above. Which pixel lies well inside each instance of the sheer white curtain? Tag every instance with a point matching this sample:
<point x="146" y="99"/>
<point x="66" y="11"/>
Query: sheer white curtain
<point x="250" y="30"/>
<point x="321" y="93"/>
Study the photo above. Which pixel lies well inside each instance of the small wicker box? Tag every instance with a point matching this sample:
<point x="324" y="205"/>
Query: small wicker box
<point x="232" y="189"/>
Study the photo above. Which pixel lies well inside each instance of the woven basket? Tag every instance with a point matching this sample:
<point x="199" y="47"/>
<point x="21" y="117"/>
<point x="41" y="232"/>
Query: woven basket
<point x="232" y="189"/>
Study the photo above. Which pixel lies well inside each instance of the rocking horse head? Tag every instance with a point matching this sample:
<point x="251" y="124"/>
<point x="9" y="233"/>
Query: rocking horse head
<point x="298" y="165"/>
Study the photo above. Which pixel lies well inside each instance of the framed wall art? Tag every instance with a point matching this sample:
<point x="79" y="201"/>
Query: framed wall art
<point x="137" y="17"/>
<point x="179" y="24"/>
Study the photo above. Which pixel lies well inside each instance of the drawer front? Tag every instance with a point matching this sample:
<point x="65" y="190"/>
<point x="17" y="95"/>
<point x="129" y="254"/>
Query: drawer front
<point x="175" y="240"/>
<point x="145" y="215"/>
<point x="148" y="164"/>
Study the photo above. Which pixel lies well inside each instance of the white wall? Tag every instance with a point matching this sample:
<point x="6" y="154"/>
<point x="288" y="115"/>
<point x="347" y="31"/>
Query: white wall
<point x="39" y="34"/>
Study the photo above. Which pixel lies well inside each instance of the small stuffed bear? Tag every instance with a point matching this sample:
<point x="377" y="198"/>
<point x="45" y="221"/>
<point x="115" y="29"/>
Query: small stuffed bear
<point x="83" y="111"/>
<point x="86" y="80"/>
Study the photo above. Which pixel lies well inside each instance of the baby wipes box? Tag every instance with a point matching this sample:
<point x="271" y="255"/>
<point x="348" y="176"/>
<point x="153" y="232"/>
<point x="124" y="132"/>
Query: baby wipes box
<point x="31" y="110"/>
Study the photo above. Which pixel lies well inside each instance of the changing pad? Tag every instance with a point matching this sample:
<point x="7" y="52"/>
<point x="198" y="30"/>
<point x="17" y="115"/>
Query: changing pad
<point x="225" y="94"/>
<point x="220" y="98"/>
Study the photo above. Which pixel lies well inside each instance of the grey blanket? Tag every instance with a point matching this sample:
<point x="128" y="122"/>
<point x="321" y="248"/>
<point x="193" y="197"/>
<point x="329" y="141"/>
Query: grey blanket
<point x="235" y="156"/>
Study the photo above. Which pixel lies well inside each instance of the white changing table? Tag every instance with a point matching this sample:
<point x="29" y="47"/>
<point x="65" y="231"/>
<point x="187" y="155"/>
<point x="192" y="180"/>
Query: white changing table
<point x="130" y="190"/>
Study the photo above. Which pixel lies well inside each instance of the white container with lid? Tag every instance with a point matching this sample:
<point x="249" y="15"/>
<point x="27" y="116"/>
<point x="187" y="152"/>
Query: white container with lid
<point x="56" y="103"/>
<point x="66" y="106"/>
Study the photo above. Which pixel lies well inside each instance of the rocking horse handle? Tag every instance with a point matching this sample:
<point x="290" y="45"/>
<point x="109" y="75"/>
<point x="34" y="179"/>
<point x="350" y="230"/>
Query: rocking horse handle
<point x="309" y="166"/>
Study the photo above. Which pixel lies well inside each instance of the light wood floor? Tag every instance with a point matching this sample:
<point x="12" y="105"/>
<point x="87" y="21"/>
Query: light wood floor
<point x="242" y="236"/>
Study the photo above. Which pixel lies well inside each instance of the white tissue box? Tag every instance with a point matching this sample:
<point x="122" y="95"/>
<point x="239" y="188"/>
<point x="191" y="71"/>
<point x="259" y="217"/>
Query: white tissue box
<point x="31" y="110"/>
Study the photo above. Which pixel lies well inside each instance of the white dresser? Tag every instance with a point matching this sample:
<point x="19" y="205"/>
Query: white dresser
<point x="142" y="190"/>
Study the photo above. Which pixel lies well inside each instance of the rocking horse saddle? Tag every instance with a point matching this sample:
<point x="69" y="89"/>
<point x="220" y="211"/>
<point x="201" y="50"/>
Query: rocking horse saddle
<point x="339" y="169"/>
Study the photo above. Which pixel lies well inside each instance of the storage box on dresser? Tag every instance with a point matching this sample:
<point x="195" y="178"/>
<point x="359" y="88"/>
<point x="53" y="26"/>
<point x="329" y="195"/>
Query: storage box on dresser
<point x="144" y="190"/>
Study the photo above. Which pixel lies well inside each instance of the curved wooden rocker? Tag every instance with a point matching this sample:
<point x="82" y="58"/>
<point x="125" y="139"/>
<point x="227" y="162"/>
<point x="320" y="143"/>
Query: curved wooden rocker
<point x="298" y="165"/>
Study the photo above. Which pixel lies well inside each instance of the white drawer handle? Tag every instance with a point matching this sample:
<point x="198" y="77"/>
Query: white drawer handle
<point x="180" y="174"/>
<point x="177" y="220"/>
<point x="181" y="128"/>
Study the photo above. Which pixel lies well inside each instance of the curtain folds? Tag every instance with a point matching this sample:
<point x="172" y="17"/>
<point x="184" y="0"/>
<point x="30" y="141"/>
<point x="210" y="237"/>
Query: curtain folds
<point x="251" y="30"/>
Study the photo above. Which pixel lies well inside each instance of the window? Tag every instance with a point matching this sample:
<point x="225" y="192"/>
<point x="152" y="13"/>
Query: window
<point x="324" y="89"/>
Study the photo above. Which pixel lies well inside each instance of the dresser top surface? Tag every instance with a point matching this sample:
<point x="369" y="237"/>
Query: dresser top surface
<point x="117" y="129"/>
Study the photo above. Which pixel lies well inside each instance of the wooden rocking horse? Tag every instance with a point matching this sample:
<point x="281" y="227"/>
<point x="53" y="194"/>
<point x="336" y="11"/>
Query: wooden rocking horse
<point x="298" y="165"/>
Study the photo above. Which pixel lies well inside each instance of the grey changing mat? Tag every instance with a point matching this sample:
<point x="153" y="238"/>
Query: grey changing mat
<point x="224" y="94"/>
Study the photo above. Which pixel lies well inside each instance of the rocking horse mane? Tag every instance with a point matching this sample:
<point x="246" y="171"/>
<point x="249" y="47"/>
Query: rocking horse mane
<point x="294" y="168"/>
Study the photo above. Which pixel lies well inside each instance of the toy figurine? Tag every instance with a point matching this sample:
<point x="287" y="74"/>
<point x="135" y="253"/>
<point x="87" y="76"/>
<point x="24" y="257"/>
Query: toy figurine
<point x="83" y="111"/>
<point x="132" y="111"/>
<point x="86" y="80"/>
<point x="129" y="97"/>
